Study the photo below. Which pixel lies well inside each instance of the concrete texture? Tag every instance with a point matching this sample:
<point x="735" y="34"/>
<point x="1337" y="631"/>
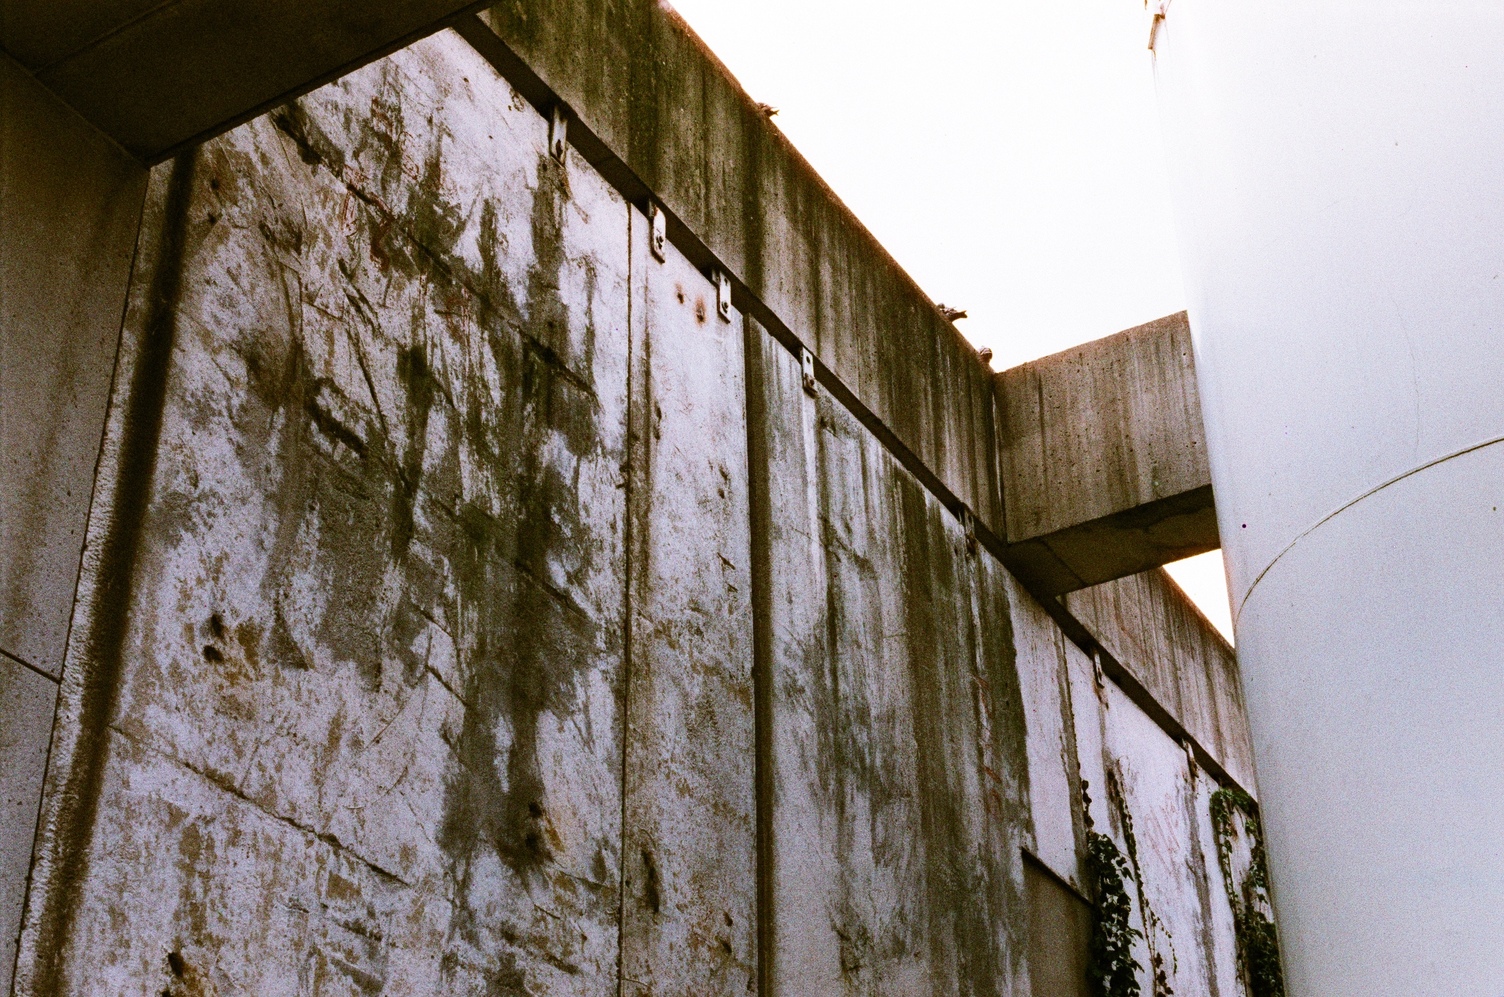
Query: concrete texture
<point x="898" y="770"/>
<point x="26" y="704"/>
<point x="360" y="634"/>
<point x="677" y="126"/>
<point x="158" y="74"/>
<point x="689" y="902"/>
<point x="468" y="607"/>
<point x="1102" y="458"/>
<point x="1146" y="796"/>
<point x="1157" y="813"/>
<point x="70" y="203"/>
<point x="1178" y="658"/>
<point x="1059" y="936"/>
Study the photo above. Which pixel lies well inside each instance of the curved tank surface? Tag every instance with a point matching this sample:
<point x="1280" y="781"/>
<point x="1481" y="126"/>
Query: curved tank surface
<point x="1339" y="180"/>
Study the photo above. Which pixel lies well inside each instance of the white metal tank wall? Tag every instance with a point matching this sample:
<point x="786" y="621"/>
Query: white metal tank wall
<point x="1340" y="184"/>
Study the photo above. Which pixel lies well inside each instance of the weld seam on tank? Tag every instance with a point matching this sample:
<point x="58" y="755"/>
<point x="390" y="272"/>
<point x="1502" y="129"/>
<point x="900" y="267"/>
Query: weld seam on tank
<point x="1370" y="493"/>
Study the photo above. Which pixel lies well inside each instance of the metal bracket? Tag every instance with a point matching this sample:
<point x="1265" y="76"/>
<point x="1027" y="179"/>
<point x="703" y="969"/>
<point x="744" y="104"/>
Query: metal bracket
<point x="1096" y="668"/>
<point x="723" y="295"/>
<point x="658" y="234"/>
<point x="807" y="365"/>
<point x="1190" y="757"/>
<point x="558" y="133"/>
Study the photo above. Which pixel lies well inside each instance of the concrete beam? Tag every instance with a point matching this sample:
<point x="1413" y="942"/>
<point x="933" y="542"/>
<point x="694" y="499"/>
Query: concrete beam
<point x="1102" y="459"/>
<point x="158" y="75"/>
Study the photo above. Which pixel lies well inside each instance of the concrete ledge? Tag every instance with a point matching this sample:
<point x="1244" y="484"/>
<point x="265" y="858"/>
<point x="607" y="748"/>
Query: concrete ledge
<point x="643" y="86"/>
<point x="1102" y="458"/>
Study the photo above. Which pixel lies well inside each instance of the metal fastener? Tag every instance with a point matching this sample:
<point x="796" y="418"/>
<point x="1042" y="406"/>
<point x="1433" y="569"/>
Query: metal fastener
<point x="723" y="295"/>
<point x="558" y="133"/>
<point x="658" y="237"/>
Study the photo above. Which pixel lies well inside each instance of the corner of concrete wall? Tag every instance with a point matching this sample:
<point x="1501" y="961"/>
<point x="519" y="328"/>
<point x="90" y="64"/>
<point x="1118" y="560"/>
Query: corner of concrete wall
<point x="70" y="206"/>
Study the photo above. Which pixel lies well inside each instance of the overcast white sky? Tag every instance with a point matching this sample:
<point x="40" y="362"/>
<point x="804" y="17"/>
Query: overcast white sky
<point x="1007" y="153"/>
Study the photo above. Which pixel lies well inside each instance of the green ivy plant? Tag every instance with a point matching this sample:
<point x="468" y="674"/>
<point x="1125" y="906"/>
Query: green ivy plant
<point x="1258" y="942"/>
<point x="1114" y="971"/>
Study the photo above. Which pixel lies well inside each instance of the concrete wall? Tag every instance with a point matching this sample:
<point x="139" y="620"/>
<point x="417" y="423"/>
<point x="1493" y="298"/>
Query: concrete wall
<point x="70" y="202"/>
<point x="1185" y="666"/>
<point x="469" y="607"/>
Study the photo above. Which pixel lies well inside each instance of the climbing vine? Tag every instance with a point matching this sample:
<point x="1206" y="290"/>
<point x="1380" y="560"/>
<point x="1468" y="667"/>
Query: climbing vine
<point x="1258" y="942"/>
<point x="1114" y="971"/>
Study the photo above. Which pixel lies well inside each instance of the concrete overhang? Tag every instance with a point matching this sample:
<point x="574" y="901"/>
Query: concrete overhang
<point x="161" y="75"/>
<point x="1102" y="459"/>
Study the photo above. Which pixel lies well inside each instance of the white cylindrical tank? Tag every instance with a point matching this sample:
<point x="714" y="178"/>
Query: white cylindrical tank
<point x="1339" y="179"/>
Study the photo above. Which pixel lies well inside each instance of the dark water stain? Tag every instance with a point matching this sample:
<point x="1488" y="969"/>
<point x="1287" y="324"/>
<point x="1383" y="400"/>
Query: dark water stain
<point x="335" y="475"/>
<point x="500" y="570"/>
<point x="1200" y="866"/>
<point x="517" y="552"/>
<point x="109" y="625"/>
<point x="314" y="147"/>
<point x="970" y="882"/>
<point x="498" y="565"/>
<point x="420" y="388"/>
<point x="842" y="680"/>
<point x="529" y="639"/>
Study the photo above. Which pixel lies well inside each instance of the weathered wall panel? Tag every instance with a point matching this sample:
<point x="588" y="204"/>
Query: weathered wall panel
<point x="378" y="580"/>
<point x="899" y="775"/>
<point x="1219" y="942"/>
<point x="647" y="87"/>
<point x="1060" y="936"/>
<point x="1154" y="631"/>
<point x="1054" y="772"/>
<point x="470" y="608"/>
<point x="1146" y="797"/>
<point x="689" y="909"/>
<point x="1155" y="789"/>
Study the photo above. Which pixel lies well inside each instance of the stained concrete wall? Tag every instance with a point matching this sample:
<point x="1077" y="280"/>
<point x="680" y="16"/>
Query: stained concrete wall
<point x="1186" y="667"/>
<point x="666" y="121"/>
<point x="468" y="607"/>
